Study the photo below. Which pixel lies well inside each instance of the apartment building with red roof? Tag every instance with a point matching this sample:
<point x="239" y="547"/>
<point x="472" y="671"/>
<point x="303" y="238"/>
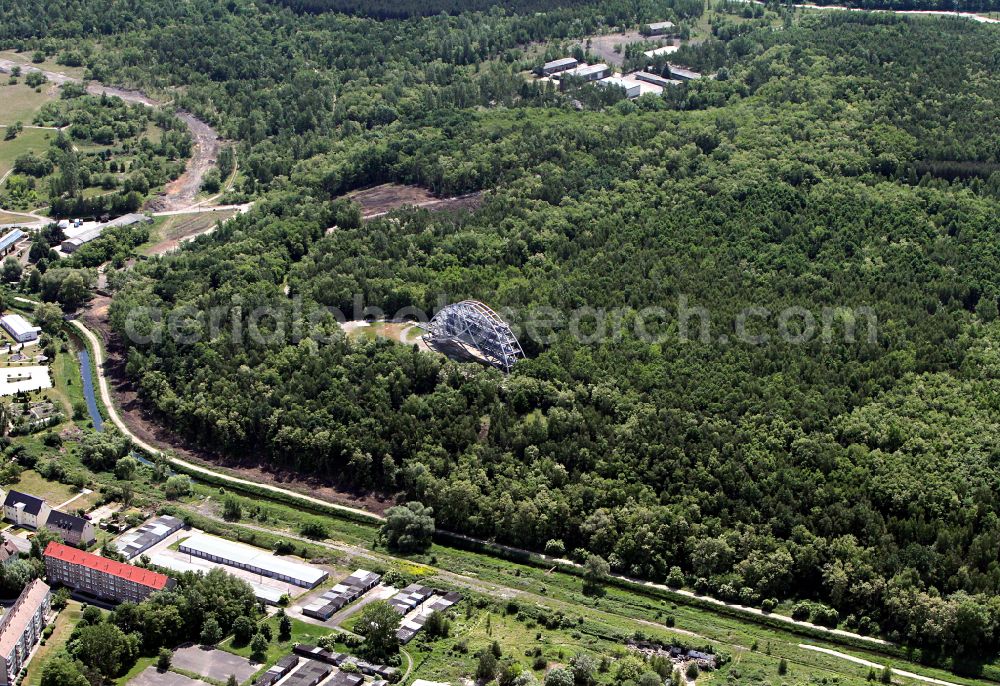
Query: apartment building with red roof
<point x="101" y="577"/>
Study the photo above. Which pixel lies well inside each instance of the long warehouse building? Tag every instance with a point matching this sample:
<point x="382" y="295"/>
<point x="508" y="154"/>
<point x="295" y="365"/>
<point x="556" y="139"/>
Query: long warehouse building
<point x="252" y="559"/>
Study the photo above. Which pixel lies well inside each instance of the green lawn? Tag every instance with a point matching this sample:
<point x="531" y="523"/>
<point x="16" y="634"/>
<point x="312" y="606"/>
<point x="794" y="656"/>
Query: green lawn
<point x="68" y="388"/>
<point x="301" y="633"/>
<point x="139" y="667"/>
<point x="29" y="140"/>
<point x="8" y="218"/>
<point x="64" y="625"/>
<point x="20" y="102"/>
<point x="53" y="493"/>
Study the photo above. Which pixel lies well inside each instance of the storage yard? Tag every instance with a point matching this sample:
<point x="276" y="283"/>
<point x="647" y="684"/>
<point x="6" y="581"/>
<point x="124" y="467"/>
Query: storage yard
<point x="168" y="545"/>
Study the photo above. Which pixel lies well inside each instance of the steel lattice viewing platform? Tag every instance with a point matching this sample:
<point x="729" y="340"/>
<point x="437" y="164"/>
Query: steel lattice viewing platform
<point x="478" y="329"/>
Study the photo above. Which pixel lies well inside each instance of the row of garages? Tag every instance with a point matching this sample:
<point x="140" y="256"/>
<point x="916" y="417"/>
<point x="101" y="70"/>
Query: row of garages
<point x="253" y="560"/>
<point x="341" y="595"/>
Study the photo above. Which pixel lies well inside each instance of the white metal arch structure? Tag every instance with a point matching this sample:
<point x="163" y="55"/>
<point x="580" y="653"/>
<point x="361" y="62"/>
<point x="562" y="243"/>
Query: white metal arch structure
<point x="476" y="326"/>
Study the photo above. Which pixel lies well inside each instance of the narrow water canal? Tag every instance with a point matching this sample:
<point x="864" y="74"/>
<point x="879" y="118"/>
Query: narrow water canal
<point x="88" y="390"/>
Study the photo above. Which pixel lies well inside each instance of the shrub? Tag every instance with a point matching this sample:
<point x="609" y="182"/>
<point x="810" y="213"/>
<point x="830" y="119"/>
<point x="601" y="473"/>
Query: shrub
<point x="801" y="610"/>
<point x="555" y="548"/>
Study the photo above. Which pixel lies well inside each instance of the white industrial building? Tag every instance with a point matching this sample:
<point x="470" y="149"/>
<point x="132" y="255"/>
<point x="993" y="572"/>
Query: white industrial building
<point x="73" y="244"/>
<point x="271" y="595"/>
<point x="683" y="73"/>
<point x="632" y="88"/>
<point x="10" y="240"/>
<point x="20" y="329"/>
<point x="665" y="50"/>
<point x="662" y="28"/>
<point x="589" y="72"/>
<point x="656" y="79"/>
<point x="91" y="230"/>
<point x="559" y="65"/>
<point x="254" y="560"/>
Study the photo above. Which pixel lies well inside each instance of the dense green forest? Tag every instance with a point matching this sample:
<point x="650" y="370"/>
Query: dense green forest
<point x="843" y="161"/>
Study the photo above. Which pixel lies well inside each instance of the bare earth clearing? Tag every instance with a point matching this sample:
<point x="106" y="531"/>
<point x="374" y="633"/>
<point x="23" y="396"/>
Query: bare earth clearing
<point x="380" y="200"/>
<point x="182" y="227"/>
<point x="605" y="45"/>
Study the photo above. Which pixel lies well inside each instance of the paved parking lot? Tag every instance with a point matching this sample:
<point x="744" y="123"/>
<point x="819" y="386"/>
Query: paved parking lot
<point x="152" y="677"/>
<point x="215" y="664"/>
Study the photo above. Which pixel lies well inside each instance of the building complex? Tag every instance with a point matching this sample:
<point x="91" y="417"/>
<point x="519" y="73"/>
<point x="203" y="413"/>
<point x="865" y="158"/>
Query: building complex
<point x="89" y="233"/>
<point x="138" y="541"/>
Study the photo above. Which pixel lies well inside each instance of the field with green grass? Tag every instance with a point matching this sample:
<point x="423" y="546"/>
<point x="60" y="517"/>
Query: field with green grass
<point x="68" y="388"/>
<point x="64" y="625"/>
<point x="301" y="633"/>
<point x="48" y="64"/>
<point x="29" y="140"/>
<point x="53" y="493"/>
<point x="19" y="102"/>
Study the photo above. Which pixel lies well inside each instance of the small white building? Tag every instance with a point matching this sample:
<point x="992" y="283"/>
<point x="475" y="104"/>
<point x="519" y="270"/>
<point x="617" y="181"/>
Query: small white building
<point x="20" y="329"/>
